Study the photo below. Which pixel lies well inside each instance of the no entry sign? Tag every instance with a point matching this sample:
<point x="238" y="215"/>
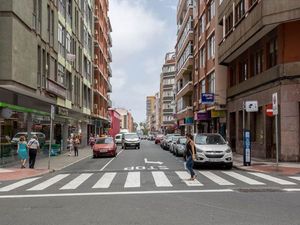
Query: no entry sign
<point x="269" y="110"/>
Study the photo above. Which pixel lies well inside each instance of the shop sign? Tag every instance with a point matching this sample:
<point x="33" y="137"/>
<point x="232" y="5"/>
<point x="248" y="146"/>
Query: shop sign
<point x="207" y="98"/>
<point x="218" y="113"/>
<point x="203" y="115"/>
<point x="181" y="122"/>
<point x="251" y="106"/>
<point x="62" y="111"/>
<point x="188" y="120"/>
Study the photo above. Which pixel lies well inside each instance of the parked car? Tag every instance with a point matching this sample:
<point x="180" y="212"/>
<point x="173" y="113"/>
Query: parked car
<point x="131" y="140"/>
<point x="212" y="149"/>
<point x="166" y="140"/>
<point x="180" y="146"/>
<point x="104" y="146"/>
<point x="158" y="138"/>
<point x="41" y="137"/>
<point x="118" y="139"/>
<point x="173" y="143"/>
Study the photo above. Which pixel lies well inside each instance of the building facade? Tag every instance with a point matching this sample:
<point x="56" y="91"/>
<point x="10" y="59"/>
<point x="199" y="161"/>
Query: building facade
<point x="102" y="70"/>
<point x="184" y="66"/>
<point x="47" y="56"/>
<point x="209" y="78"/>
<point x="167" y="93"/>
<point x="157" y="114"/>
<point x="115" y="122"/>
<point x="150" y="103"/>
<point x="127" y="120"/>
<point x="260" y="47"/>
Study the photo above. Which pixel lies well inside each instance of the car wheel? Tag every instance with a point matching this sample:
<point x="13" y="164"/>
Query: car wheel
<point x="176" y="153"/>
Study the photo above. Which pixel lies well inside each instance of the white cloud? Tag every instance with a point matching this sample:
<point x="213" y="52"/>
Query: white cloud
<point x="134" y="28"/>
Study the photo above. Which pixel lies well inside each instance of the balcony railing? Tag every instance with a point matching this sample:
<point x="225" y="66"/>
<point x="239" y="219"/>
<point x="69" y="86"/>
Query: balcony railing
<point x="109" y="55"/>
<point x="109" y="70"/>
<point x="109" y="87"/>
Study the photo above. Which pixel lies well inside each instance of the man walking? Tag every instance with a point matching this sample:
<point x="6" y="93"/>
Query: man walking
<point x="33" y="146"/>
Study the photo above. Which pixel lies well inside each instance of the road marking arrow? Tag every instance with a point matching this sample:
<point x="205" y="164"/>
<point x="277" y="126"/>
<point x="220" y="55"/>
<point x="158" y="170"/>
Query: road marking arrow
<point x="146" y="161"/>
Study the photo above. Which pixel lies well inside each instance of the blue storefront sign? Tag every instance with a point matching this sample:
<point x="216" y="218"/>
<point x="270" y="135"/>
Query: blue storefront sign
<point x="247" y="148"/>
<point x="207" y="98"/>
<point x="189" y="120"/>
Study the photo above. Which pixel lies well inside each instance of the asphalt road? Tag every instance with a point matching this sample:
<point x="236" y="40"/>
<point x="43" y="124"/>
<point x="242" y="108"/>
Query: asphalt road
<point x="149" y="186"/>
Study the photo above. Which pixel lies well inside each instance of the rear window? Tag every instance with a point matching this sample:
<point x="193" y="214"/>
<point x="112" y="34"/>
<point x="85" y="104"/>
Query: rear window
<point x="104" y="141"/>
<point x="131" y="136"/>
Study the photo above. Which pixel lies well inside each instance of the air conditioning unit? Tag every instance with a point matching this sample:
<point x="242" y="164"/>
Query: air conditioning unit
<point x="96" y="81"/>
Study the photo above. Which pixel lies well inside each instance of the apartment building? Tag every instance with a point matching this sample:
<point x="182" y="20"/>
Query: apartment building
<point x="127" y="120"/>
<point x="184" y="66"/>
<point x="209" y="78"/>
<point x="157" y="108"/>
<point x="167" y="93"/>
<point x="260" y="47"/>
<point x="102" y="70"/>
<point x="47" y="59"/>
<point x="150" y="103"/>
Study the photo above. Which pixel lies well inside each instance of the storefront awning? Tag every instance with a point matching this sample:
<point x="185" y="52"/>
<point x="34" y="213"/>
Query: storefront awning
<point x="23" y="109"/>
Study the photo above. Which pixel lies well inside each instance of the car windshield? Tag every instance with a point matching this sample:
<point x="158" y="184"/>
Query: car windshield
<point x="209" y="140"/>
<point x="104" y="141"/>
<point x="131" y="136"/>
<point x="175" y="138"/>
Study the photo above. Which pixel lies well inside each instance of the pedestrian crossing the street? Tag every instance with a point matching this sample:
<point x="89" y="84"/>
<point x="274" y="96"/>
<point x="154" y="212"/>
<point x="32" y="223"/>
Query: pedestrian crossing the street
<point x="157" y="179"/>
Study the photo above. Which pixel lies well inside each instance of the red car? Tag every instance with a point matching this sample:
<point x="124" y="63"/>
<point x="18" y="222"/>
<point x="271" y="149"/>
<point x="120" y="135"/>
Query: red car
<point x="104" y="146"/>
<point x="158" y="138"/>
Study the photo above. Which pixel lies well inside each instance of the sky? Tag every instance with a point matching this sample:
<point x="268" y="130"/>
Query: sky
<point x="143" y="32"/>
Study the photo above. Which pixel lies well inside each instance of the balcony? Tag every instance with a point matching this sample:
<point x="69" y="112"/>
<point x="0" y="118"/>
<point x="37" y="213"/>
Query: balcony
<point x="109" y="55"/>
<point x="109" y="39"/>
<point x="259" y="19"/>
<point x="109" y="70"/>
<point x="109" y="87"/>
<point x="185" y="112"/>
<point x="109" y="103"/>
<point x="187" y="89"/>
<point x="183" y="6"/>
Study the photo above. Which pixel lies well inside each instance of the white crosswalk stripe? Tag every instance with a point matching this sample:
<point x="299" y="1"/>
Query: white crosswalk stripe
<point x="295" y="178"/>
<point x="48" y="183"/>
<point x="161" y="179"/>
<point x="76" y="182"/>
<point x="105" y="180"/>
<point x="215" y="178"/>
<point x="18" y="184"/>
<point x="244" y="178"/>
<point x="273" y="179"/>
<point x="183" y="175"/>
<point x="133" y="180"/>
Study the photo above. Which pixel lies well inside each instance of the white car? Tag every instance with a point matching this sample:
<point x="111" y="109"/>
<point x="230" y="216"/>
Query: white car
<point x="212" y="149"/>
<point x="118" y="139"/>
<point x="131" y="140"/>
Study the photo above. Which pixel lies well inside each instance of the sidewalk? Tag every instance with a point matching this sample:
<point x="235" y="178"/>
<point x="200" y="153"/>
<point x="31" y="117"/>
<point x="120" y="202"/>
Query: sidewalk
<point x="13" y="172"/>
<point x="265" y="166"/>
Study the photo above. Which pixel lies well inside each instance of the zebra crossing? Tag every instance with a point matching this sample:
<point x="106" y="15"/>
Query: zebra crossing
<point x="158" y="179"/>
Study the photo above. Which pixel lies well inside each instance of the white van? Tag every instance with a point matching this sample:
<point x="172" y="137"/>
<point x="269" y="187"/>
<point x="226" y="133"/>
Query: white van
<point x="118" y="139"/>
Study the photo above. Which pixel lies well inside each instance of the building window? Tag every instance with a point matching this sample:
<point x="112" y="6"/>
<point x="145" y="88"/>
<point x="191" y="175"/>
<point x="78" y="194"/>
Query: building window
<point x="258" y="62"/>
<point x="52" y="28"/>
<point x="229" y="23"/>
<point x="61" y="40"/>
<point x="202" y="24"/>
<point x="239" y="10"/>
<point x="44" y="72"/>
<point x="69" y="11"/>
<point x="243" y="71"/>
<point x="202" y="57"/>
<point x="251" y="3"/>
<point x="211" y="47"/>
<point x="39" y="66"/>
<point x="272" y="53"/>
<point x="232" y="76"/>
<point x="68" y="42"/>
<point x="34" y="12"/>
<point x="69" y="85"/>
<point x="39" y="17"/>
<point x="62" y="7"/>
<point x="61" y="75"/>
<point x="211" y="82"/>
<point x="211" y="10"/>
<point x="203" y="89"/>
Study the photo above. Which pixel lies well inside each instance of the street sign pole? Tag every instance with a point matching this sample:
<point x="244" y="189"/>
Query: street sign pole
<point x="244" y="153"/>
<point x="51" y="133"/>
<point x="275" y="112"/>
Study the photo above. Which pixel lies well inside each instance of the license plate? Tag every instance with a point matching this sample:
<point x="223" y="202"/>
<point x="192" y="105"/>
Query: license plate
<point x="103" y="150"/>
<point x="214" y="160"/>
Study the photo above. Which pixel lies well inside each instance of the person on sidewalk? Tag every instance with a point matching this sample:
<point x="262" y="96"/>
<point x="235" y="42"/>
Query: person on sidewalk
<point x="70" y="145"/>
<point x="76" y="143"/>
<point x="33" y="146"/>
<point x="22" y="151"/>
<point x="91" y="140"/>
<point x="190" y="155"/>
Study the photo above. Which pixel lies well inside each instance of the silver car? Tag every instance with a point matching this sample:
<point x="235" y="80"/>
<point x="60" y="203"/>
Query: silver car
<point x="131" y="140"/>
<point x="180" y="146"/>
<point x="212" y="149"/>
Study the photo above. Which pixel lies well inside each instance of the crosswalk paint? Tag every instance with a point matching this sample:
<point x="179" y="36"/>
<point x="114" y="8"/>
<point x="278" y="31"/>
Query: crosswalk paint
<point x="295" y="178"/>
<point x="243" y="178"/>
<point x="105" y="180"/>
<point x="183" y="175"/>
<point x="215" y="178"/>
<point x="133" y="180"/>
<point x="48" y="182"/>
<point x="161" y="179"/>
<point x="76" y="182"/>
<point x="273" y="179"/>
<point x="18" y="184"/>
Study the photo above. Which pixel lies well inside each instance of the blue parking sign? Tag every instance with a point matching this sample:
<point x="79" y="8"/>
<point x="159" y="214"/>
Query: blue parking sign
<point x="247" y="148"/>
